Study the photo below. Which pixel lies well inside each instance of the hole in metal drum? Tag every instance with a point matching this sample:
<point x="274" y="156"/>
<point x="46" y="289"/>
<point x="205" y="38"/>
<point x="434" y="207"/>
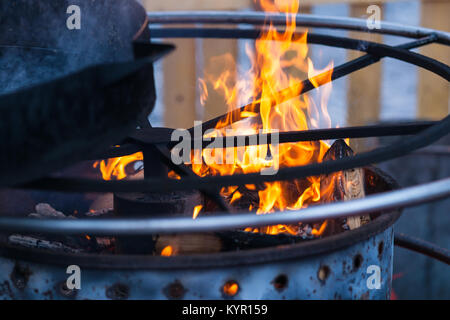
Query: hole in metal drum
<point x="19" y="276"/>
<point x="230" y="288"/>
<point x="323" y="273"/>
<point x="175" y="290"/>
<point x="118" y="291"/>
<point x="280" y="282"/>
<point x="357" y="262"/>
<point x="66" y="292"/>
<point x="380" y="248"/>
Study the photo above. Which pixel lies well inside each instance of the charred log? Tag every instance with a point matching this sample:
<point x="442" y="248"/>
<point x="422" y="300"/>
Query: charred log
<point x="343" y="186"/>
<point x="241" y="240"/>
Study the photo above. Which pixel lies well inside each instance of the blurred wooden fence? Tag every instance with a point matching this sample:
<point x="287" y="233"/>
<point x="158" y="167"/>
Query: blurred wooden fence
<point x="364" y="88"/>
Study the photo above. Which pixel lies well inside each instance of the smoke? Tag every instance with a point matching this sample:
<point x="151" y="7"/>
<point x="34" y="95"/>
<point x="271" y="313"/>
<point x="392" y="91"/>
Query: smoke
<point x="36" y="44"/>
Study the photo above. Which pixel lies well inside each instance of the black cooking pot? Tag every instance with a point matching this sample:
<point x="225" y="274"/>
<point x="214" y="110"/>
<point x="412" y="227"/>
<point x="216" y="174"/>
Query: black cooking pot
<point x="69" y="93"/>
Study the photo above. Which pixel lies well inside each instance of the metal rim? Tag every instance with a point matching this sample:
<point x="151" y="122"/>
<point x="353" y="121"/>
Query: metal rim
<point x="221" y="259"/>
<point x="145" y="226"/>
<point x="303" y="20"/>
<point x="214" y="260"/>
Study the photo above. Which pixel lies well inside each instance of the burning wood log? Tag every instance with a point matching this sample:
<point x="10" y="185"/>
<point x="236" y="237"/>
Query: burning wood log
<point x="340" y="186"/>
<point x="180" y="244"/>
<point x="245" y="197"/>
<point x="343" y="186"/>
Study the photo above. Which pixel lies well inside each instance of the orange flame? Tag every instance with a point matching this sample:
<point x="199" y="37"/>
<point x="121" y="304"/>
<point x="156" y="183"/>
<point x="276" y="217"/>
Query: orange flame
<point x="197" y="210"/>
<point x="115" y="167"/>
<point x="167" y="251"/>
<point x="272" y="85"/>
<point x="279" y="61"/>
<point x="203" y="91"/>
<point x="321" y="230"/>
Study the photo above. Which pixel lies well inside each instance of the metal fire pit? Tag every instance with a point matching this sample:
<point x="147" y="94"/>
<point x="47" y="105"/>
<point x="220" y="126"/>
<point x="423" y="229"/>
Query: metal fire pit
<point x="332" y="268"/>
<point x="336" y="267"/>
<point x="339" y="266"/>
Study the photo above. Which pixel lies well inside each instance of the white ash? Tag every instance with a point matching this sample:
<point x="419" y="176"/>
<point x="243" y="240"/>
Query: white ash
<point x="46" y="211"/>
<point x="305" y="232"/>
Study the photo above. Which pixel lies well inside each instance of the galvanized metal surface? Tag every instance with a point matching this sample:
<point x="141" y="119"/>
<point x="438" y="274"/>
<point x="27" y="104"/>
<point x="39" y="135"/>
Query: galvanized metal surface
<point x="340" y="274"/>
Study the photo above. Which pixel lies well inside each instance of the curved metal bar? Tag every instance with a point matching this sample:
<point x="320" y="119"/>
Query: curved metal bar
<point x="303" y="20"/>
<point x="399" y="52"/>
<point x="313" y="135"/>
<point x="253" y="34"/>
<point x="376" y="203"/>
<point x="422" y="246"/>
<point x="378" y="130"/>
<point x="381" y="154"/>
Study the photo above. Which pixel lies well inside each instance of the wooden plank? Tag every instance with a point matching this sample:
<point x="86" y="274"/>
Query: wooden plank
<point x="180" y="85"/>
<point x="364" y="86"/>
<point x="179" y="73"/>
<point x="433" y="91"/>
